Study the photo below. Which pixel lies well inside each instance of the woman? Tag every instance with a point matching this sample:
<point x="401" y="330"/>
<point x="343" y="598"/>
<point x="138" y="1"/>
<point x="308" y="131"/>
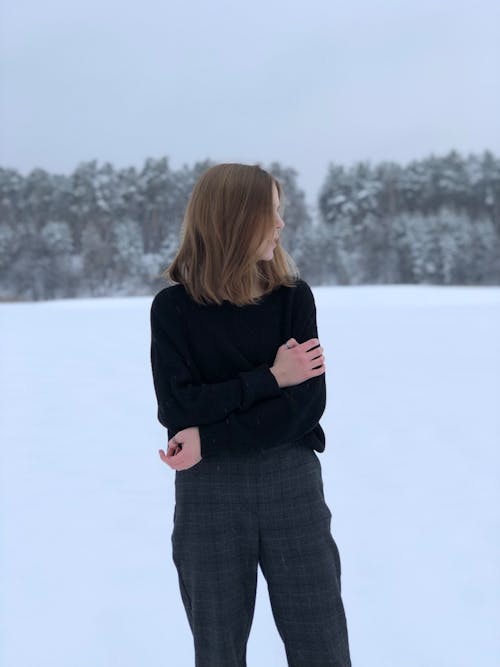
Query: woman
<point x="239" y="376"/>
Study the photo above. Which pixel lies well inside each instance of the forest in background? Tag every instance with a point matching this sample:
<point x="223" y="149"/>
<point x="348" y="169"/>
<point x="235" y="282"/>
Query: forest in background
<point x="102" y="231"/>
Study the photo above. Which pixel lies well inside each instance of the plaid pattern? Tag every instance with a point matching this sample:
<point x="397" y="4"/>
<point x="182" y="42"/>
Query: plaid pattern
<point x="235" y="511"/>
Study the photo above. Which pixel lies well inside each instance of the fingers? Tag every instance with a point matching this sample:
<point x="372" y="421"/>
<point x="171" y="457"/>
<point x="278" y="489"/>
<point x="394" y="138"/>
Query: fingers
<point x="173" y="442"/>
<point x="170" y="453"/>
<point x="180" y="461"/>
<point x="174" y="458"/>
<point x="314" y="361"/>
<point x="174" y="448"/>
<point x="317" y="359"/>
<point x="316" y="354"/>
<point x="163" y="456"/>
<point x="309" y="344"/>
<point x="179" y="454"/>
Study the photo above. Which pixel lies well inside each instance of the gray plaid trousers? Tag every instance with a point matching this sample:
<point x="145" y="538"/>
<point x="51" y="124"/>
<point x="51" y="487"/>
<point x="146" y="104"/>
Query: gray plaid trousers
<point x="234" y="511"/>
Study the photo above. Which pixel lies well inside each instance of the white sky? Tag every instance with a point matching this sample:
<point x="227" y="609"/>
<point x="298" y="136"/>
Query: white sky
<point x="301" y="83"/>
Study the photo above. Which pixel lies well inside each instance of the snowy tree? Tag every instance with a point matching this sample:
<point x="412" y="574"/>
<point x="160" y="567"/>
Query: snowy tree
<point x="103" y="231"/>
<point x="97" y="256"/>
<point x="127" y="246"/>
<point x="57" y="238"/>
<point x="9" y="247"/>
<point x="54" y="258"/>
<point x="11" y="196"/>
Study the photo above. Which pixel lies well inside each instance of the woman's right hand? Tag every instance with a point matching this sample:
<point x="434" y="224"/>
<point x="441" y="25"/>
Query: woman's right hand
<point x="298" y="363"/>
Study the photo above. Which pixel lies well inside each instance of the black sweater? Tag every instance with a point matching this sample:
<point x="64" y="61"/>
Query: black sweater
<point x="211" y="369"/>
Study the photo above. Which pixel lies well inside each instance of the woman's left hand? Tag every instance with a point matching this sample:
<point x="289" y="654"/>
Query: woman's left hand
<point x="184" y="449"/>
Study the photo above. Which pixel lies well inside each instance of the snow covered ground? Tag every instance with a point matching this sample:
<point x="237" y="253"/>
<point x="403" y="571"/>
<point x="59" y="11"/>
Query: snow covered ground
<point x="411" y="474"/>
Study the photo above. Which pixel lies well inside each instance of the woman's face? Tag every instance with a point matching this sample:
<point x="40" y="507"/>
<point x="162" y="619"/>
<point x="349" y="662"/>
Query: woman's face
<point x="266" y="249"/>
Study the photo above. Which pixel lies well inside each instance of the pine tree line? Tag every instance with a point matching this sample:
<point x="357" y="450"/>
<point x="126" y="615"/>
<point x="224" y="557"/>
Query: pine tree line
<point x="106" y="231"/>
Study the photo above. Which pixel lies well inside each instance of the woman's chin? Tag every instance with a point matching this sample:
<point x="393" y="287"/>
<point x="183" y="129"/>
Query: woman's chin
<point x="271" y="252"/>
<point x="269" y="255"/>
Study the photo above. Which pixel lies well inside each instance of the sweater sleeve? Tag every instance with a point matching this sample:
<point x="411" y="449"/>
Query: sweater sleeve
<point x="289" y="416"/>
<point x="183" y="402"/>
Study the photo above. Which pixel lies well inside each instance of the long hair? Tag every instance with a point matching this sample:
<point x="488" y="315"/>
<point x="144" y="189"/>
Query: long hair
<point x="229" y="214"/>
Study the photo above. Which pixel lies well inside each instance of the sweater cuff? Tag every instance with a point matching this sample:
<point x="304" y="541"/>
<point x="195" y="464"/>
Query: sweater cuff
<point x="258" y="384"/>
<point x="213" y="437"/>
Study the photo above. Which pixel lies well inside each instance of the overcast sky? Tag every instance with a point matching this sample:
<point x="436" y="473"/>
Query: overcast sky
<point x="304" y="83"/>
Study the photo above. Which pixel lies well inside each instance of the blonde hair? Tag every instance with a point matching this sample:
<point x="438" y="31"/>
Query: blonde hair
<point x="229" y="214"/>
